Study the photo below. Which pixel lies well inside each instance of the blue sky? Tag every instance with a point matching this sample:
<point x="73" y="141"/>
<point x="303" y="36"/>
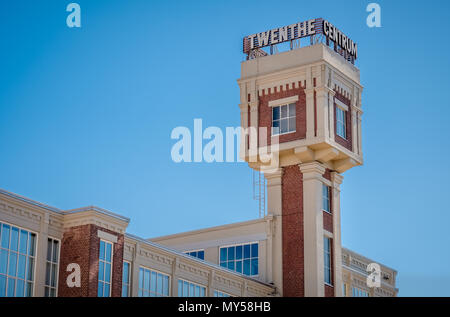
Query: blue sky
<point x="86" y="116"/>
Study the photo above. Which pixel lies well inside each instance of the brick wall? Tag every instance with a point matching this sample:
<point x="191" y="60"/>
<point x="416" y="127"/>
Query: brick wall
<point x="81" y="245"/>
<point x="292" y="224"/>
<point x="265" y="112"/>
<point x="347" y="143"/>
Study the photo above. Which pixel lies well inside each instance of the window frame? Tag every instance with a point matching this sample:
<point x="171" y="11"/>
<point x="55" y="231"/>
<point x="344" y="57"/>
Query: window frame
<point x="111" y="271"/>
<point x="36" y="243"/>
<point x="286" y="118"/>
<point x="57" y="266"/>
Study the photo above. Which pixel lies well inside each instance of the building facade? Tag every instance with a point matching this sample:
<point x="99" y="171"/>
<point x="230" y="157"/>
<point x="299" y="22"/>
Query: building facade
<point x="301" y="111"/>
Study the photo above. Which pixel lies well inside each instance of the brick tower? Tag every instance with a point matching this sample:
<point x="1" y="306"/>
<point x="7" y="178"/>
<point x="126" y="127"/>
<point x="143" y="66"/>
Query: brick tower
<point x="305" y="106"/>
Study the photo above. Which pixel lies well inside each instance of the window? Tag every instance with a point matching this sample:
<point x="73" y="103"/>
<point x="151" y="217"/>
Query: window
<point x="104" y="270"/>
<point x="344" y="290"/>
<point x="51" y="269"/>
<point x="126" y="279"/>
<point x="17" y="258"/>
<point x="188" y="289"/>
<point x="283" y="119"/>
<point x="153" y="284"/>
<point x="326" y="198"/>
<point x="341" y="127"/>
<point x="240" y="258"/>
<point x="200" y="254"/>
<point x="327" y="260"/>
<point x="357" y="292"/>
<point x="221" y="294"/>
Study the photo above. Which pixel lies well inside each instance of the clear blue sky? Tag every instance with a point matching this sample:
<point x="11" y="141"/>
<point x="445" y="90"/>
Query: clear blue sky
<point x="86" y="116"/>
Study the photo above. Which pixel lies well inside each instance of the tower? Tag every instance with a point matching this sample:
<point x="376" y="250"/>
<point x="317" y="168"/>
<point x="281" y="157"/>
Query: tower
<point x="301" y="113"/>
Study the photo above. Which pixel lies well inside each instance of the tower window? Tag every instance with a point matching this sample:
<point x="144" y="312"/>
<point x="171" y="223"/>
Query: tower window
<point x="341" y="124"/>
<point x="283" y="119"/>
<point x="327" y="260"/>
<point x="326" y="198"/>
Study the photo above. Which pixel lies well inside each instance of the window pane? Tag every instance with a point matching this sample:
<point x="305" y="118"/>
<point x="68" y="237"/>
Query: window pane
<point x="231" y="253"/>
<point x="197" y="291"/>
<point x="180" y="288"/>
<point x="246" y="251"/>
<point x="223" y="254"/>
<point x="106" y="292"/>
<point x="49" y="250"/>
<point x="47" y="274"/>
<point x="291" y="124"/>
<point x="107" y="272"/>
<point x="185" y="289"/>
<point x="247" y="267"/>
<point x="23" y="241"/>
<point x="153" y="282"/>
<point x="20" y="288"/>
<point x="100" y="289"/>
<point x="223" y="264"/>
<point x="231" y="265"/>
<point x="254" y="267"/>
<point x="191" y="289"/>
<point x="5" y="236"/>
<point x="201" y="255"/>
<point x="125" y="272"/>
<point x="276" y="113"/>
<point x="202" y="292"/>
<point x="166" y="286"/>
<point x="102" y="250"/>
<point x="55" y="251"/>
<point x="254" y="250"/>
<point x="54" y="270"/>
<point x="239" y="252"/>
<point x="11" y="287"/>
<point x="30" y="269"/>
<point x="147" y="280"/>
<point x="12" y="264"/>
<point x="141" y="278"/>
<point x="284" y="110"/>
<point x="29" y="289"/>
<point x="159" y="284"/>
<point x="3" y="261"/>
<point x="101" y="271"/>
<point x="239" y="266"/>
<point x="283" y="125"/>
<point x="14" y="239"/>
<point x="32" y="245"/>
<point x="124" y="291"/>
<point x="2" y="286"/>
<point x="276" y="127"/>
<point x="108" y="252"/>
<point x="292" y="110"/>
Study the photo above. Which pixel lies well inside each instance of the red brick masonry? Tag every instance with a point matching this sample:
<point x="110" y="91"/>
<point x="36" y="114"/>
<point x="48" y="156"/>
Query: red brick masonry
<point x="81" y="245"/>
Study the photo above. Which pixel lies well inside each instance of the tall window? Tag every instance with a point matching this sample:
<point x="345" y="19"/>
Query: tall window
<point x="240" y="258"/>
<point x="104" y="271"/>
<point x="200" y="254"/>
<point x="51" y="270"/>
<point x="17" y="258"/>
<point x="126" y="279"/>
<point x="153" y="284"/>
<point x="341" y="123"/>
<point x="188" y="289"/>
<point x="327" y="260"/>
<point x="283" y="119"/>
<point x="326" y="198"/>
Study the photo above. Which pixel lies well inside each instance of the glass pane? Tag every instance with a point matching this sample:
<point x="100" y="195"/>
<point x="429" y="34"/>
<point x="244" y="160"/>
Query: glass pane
<point x="141" y="278"/>
<point x="125" y="272"/>
<point x="291" y="124"/>
<point x="159" y="284"/>
<point x="276" y="113"/>
<point x="54" y="270"/>
<point x="180" y="288"/>
<point x="30" y="269"/>
<point x="140" y="293"/>
<point x="197" y="291"/>
<point x="22" y="266"/>
<point x="5" y="236"/>
<point x="231" y="265"/>
<point x="239" y="252"/>
<point x="11" y="286"/>
<point x="124" y="291"/>
<point x="20" y="288"/>
<point x="55" y="251"/>
<point x="275" y="127"/>
<point x="201" y="255"/>
<point x="185" y="289"/>
<point x="3" y="261"/>
<point x="101" y="271"/>
<point x="100" y="289"/>
<point x="231" y="253"/>
<point x="247" y="267"/>
<point x="29" y="289"/>
<point x="2" y="286"/>
<point x="283" y="125"/>
<point x="254" y="250"/>
<point x="47" y="274"/>
<point x="292" y="110"/>
<point x="223" y="254"/>
<point x="153" y="282"/>
<point x="107" y="272"/>
<point x="32" y="245"/>
<point x="202" y="291"/>
<point x="239" y="266"/>
<point x="106" y="292"/>
<point x="166" y="286"/>
<point x="246" y="251"/>
<point x="191" y="289"/>
<point x="254" y="267"/>
<point x="102" y="250"/>
<point x="223" y="264"/>
<point x="23" y="241"/>
<point x="49" y="250"/>
<point x="52" y="292"/>
<point x="108" y="252"/>
<point x="284" y="111"/>
<point x="12" y="264"/>
<point x="147" y="280"/>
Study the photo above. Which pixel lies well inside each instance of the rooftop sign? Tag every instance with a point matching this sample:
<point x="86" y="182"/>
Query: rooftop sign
<point x="311" y="28"/>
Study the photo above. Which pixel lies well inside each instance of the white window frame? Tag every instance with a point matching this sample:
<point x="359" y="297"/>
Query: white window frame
<point x="340" y="122"/>
<point x="57" y="265"/>
<point x="237" y="245"/>
<point x="192" y="283"/>
<point x="129" y="279"/>
<point x="287" y="118"/>
<point x="327" y="253"/>
<point x="111" y="271"/>
<point x="33" y="292"/>
<point x="169" y="284"/>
